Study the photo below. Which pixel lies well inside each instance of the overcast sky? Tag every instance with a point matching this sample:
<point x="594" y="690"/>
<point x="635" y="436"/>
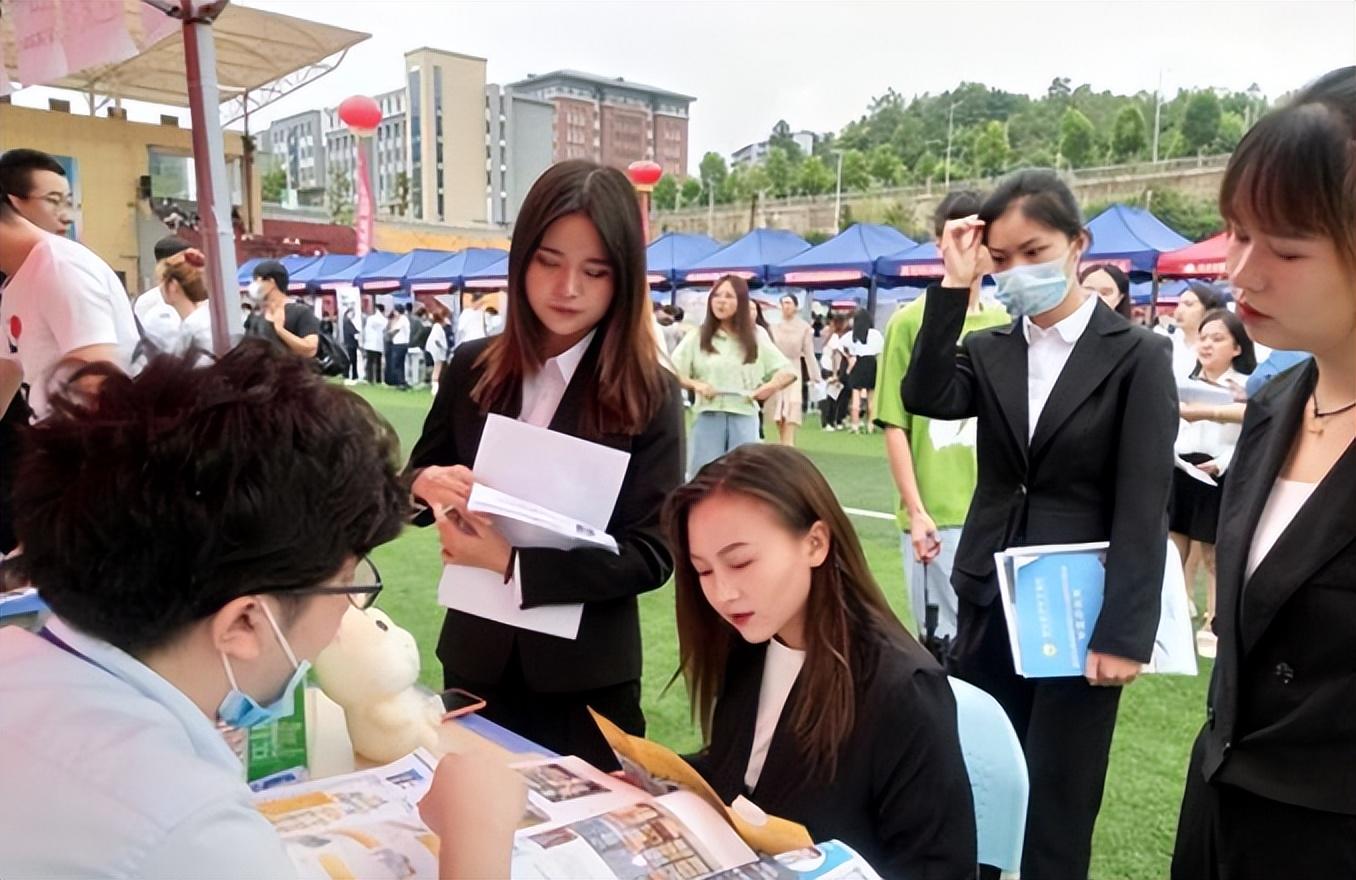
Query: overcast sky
<point x="818" y="64"/>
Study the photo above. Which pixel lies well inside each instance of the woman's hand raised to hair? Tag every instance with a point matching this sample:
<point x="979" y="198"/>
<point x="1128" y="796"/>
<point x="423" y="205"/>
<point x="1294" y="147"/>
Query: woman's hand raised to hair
<point x="963" y="252"/>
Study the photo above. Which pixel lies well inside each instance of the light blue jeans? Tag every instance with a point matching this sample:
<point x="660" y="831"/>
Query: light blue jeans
<point x="716" y="433"/>
<point x="938" y="574"/>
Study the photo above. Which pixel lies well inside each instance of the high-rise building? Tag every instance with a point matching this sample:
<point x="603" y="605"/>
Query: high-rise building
<point x="446" y="115"/>
<point x="300" y="141"/>
<point x="613" y="121"/>
<point x="755" y="153"/>
<point x="386" y="152"/>
<point x="518" y="148"/>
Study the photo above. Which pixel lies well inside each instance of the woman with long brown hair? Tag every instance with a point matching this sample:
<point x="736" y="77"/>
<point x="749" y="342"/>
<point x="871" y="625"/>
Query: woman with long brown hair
<point x="732" y="367"/>
<point x="814" y="701"/>
<point x="577" y="356"/>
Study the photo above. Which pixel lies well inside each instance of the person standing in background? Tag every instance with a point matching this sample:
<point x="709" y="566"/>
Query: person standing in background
<point x="795" y="340"/>
<point x="864" y="347"/>
<point x="932" y="462"/>
<point x="351" y="335"/>
<point x="374" y="343"/>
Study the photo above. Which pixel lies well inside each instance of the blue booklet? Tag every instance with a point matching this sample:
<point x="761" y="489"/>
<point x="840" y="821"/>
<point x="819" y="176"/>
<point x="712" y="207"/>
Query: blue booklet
<point x="1051" y="599"/>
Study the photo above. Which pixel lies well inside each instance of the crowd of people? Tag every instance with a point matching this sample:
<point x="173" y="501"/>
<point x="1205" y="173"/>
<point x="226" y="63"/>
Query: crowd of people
<point x="182" y="526"/>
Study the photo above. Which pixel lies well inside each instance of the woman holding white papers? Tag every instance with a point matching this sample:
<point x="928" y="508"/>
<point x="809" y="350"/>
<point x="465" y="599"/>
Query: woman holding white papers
<point x="1205" y="441"/>
<point x="815" y="703"/>
<point x="1076" y="415"/>
<point x="577" y="356"/>
<point x="1271" y="790"/>
<point x="732" y="366"/>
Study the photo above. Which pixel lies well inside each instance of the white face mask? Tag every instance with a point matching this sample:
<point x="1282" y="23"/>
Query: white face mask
<point x="256" y="292"/>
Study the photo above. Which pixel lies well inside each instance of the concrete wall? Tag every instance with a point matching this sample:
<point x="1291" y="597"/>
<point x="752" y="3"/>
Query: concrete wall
<point x="912" y="207"/>
<point x="112" y="155"/>
<point x="529" y="148"/>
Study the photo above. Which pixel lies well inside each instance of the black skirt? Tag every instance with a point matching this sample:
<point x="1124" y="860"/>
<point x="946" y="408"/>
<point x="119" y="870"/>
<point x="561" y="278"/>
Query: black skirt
<point x="1194" y="509"/>
<point x="863" y="375"/>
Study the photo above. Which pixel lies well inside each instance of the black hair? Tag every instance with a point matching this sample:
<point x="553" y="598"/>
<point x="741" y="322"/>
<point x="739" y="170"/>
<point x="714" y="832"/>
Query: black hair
<point x="678" y="313"/>
<point x="786" y="294"/>
<point x="149" y="503"/>
<point x="861" y="325"/>
<point x="169" y="246"/>
<point x="1041" y="196"/>
<point x="1294" y="172"/>
<point x="954" y="205"/>
<point x="1245" y="361"/>
<point x="1210" y="296"/>
<point x="16" y="172"/>
<point x="1124" y="308"/>
<point x="273" y="271"/>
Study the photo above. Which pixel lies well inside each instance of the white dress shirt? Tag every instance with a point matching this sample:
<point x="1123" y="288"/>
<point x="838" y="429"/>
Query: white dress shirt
<point x="542" y="394"/>
<point x="1283" y="505"/>
<point x="1216" y="439"/>
<point x="1047" y="351"/>
<point x="781" y="668"/>
<point x="110" y="771"/>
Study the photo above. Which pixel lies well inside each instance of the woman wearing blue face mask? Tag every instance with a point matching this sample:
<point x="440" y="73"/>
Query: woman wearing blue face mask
<point x="1077" y="413"/>
<point x="183" y="528"/>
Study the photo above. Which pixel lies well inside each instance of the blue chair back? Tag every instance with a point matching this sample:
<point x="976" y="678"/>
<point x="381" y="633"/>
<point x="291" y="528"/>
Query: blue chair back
<point x="998" y="780"/>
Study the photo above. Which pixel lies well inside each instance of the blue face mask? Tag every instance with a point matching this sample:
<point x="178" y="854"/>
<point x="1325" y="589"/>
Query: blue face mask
<point x="1032" y="290"/>
<point x="239" y="709"/>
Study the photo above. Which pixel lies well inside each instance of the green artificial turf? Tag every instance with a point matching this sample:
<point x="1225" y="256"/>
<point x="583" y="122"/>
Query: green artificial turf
<point x="1159" y="716"/>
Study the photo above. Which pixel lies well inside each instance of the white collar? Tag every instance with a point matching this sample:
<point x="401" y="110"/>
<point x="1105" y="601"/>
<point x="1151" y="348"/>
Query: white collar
<point x="1069" y="329"/>
<point x="568" y="361"/>
<point x="202" y="732"/>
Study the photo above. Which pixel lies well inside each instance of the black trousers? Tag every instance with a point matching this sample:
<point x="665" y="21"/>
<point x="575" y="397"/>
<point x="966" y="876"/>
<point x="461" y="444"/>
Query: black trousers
<point x="558" y="721"/>
<point x="1229" y="833"/>
<point x="1065" y="726"/>
<point x="373" y="367"/>
<point x="351" y="349"/>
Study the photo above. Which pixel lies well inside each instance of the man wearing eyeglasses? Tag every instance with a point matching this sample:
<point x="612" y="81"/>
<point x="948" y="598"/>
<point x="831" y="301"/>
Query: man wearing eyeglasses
<point x="45" y="199"/>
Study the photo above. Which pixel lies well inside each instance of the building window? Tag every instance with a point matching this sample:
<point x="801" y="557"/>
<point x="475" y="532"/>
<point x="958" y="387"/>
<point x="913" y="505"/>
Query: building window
<point x="438" y="122"/>
<point x="416" y="147"/>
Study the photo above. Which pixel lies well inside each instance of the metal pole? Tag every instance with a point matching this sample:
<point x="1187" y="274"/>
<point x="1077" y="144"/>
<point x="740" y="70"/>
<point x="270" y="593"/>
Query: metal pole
<point x="209" y="167"/>
<point x="711" y="210"/>
<point x="1158" y="108"/>
<point x="838" y="197"/>
<point x="950" y="121"/>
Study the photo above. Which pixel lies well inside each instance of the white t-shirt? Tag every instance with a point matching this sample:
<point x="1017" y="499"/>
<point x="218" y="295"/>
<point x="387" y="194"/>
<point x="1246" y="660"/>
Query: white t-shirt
<point x="872" y="347"/>
<point x="781" y="667"/>
<point x="195" y="330"/>
<point x="471" y="325"/>
<point x="374" y="333"/>
<point x="159" y="320"/>
<point x="437" y="343"/>
<point x="63" y="298"/>
<point x="402" y="331"/>
<point x="111" y="771"/>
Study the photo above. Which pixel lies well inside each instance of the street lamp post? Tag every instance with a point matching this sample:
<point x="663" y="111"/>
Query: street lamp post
<point x="950" y="125"/>
<point x="838" y="196"/>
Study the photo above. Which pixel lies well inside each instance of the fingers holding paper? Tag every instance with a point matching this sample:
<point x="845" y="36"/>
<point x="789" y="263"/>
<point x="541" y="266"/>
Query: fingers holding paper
<point x="444" y="487"/>
<point x="471" y="540"/>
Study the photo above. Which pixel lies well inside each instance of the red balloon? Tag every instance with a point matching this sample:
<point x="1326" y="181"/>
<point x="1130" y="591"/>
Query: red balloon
<point x="644" y="173"/>
<point x="360" y="112"/>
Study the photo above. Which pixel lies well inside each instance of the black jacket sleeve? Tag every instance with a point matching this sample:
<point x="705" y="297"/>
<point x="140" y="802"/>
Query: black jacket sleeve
<point x="940" y="383"/>
<point x="1139" y="530"/>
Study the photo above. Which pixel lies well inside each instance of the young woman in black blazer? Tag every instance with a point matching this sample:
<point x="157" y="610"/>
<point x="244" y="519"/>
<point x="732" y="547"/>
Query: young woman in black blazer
<point x="814" y="701"/>
<point x="577" y="356"/>
<point x="1077" y="412"/>
<point x="1271" y="790"/>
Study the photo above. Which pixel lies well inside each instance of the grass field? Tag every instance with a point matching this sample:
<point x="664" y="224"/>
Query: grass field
<point x="1158" y="716"/>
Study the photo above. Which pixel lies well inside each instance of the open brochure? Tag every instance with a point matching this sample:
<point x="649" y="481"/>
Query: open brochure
<point x="1205" y="392"/>
<point x="659" y="771"/>
<point x="1052" y="596"/>
<point x="579" y="822"/>
<point x="524" y="524"/>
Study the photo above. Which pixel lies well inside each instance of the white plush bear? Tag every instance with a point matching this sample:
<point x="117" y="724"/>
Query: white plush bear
<point x="370" y="669"/>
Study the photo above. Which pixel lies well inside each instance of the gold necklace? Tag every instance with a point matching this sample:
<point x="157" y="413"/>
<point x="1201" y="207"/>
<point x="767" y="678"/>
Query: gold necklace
<point x="1316" y="424"/>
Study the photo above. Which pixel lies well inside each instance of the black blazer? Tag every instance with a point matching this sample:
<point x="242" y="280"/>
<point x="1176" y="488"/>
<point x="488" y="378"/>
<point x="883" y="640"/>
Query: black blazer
<point x="1098" y="468"/>
<point x="900" y="796"/>
<point x="607" y="650"/>
<point x="1281" y="720"/>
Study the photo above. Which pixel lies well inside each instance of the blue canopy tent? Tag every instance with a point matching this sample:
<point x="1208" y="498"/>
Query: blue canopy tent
<point x="1132" y="239"/>
<point x="452" y="271"/>
<point x="307" y="278"/>
<point x="673" y="253"/>
<point x="293" y="263"/>
<point x="245" y="273"/>
<point x="916" y="266"/>
<point x="394" y="277"/>
<point x="374" y="261"/>
<point x="492" y="276"/>
<point x="751" y="257"/>
<point x="850" y="256"/>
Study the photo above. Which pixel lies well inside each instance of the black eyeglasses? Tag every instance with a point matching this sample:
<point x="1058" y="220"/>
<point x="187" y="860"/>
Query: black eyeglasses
<point x="362" y="593"/>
